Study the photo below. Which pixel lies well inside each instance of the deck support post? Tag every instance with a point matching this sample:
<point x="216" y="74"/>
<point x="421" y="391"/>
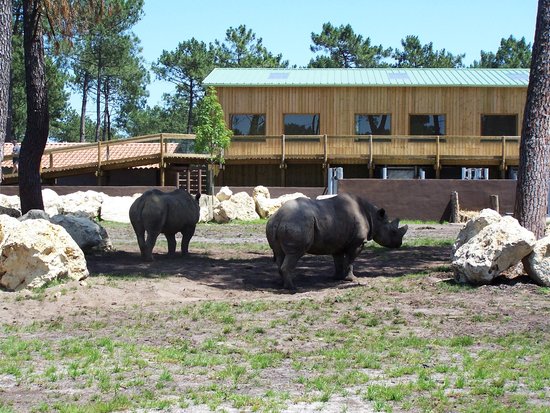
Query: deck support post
<point x="162" y="166"/>
<point x="437" y="158"/>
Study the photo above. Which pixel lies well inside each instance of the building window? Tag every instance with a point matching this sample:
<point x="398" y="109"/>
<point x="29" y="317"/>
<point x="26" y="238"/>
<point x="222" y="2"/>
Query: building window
<point x="253" y="124"/>
<point x="373" y="124"/>
<point x="499" y="125"/>
<point x="301" y="124"/>
<point x="427" y="124"/>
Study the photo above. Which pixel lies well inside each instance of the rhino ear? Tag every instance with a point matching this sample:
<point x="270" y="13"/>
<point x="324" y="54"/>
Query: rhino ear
<point x="381" y="212"/>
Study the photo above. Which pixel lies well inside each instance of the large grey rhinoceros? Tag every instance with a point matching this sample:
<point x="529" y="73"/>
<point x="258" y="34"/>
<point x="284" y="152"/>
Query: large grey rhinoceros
<point x="168" y="213"/>
<point x="337" y="226"/>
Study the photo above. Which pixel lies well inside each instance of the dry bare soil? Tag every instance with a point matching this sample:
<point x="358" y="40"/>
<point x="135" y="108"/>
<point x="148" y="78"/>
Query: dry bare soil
<point x="214" y="331"/>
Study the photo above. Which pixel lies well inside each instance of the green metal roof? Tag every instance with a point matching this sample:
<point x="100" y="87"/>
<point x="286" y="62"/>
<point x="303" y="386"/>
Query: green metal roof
<point x="261" y="77"/>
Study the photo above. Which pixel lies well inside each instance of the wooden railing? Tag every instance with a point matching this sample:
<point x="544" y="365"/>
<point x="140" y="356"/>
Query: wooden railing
<point x="432" y="150"/>
<point x="99" y="156"/>
<point x="369" y="149"/>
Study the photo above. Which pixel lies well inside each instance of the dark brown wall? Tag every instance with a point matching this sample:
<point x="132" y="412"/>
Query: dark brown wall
<point x="429" y="199"/>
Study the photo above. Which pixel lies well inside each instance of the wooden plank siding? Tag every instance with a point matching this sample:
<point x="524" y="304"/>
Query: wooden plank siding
<point x="461" y="145"/>
<point x="337" y="106"/>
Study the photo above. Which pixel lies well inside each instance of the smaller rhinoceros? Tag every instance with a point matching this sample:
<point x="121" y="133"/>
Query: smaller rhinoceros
<point x="168" y="213"/>
<point x="337" y="226"/>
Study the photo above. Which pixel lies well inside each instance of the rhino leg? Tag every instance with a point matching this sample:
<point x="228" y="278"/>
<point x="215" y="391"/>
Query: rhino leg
<point x="339" y="266"/>
<point x="187" y="234"/>
<point x="150" y="244"/>
<point x="171" y="238"/>
<point x="350" y="257"/>
<point x="141" y="243"/>
<point x="286" y="269"/>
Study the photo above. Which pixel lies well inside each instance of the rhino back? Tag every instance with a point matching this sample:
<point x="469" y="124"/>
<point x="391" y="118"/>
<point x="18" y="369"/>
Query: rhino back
<point x="320" y="226"/>
<point x="182" y="209"/>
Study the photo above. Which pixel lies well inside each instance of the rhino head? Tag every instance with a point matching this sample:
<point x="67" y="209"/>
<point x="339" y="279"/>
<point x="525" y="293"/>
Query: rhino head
<point x="385" y="232"/>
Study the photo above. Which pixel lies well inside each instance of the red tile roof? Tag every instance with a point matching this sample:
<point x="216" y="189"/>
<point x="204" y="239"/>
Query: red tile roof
<point x="88" y="154"/>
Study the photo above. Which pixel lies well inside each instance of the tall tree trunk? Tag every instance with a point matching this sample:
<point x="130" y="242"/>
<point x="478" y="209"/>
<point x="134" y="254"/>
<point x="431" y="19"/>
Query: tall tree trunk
<point x="17" y="13"/>
<point x="85" y="86"/>
<point x="5" y="69"/>
<point x="190" y="110"/>
<point x="534" y="171"/>
<point x="98" y="102"/>
<point x="105" y="109"/>
<point x="36" y="136"/>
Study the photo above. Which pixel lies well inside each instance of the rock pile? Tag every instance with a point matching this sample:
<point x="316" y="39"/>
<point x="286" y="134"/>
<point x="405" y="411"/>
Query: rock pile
<point x="35" y="252"/>
<point x="490" y="244"/>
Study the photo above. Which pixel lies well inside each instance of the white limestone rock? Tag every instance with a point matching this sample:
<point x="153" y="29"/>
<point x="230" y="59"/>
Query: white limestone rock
<point x="116" y="208"/>
<point x="83" y="204"/>
<point x="260" y="191"/>
<point x="497" y="247"/>
<point x="53" y="203"/>
<point x="207" y="204"/>
<point x="240" y="206"/>
<point x="475" y="225"/>
<point x="537" y="264"/>
<point x="35" y="252"/>
<point x="11" y="202"/>
<point x="224" y="194"/>
<point x="267" y="206"/>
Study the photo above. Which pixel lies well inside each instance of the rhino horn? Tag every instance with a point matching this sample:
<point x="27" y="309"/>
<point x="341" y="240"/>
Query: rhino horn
<point x="395" y="223"/>
<point x="403" y="230"/>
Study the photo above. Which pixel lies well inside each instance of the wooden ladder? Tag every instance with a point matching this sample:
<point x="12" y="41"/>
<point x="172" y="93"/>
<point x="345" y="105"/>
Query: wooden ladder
<point x="192" y="178"/>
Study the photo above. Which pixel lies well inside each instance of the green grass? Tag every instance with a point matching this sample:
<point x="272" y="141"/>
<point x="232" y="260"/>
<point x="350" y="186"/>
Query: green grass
<point x="393" y="351"/>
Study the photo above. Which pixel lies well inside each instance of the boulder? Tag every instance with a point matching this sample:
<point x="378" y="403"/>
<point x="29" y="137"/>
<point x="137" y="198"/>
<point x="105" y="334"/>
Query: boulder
<point x="240" y="206"/>
<point x="497" y="247"/>
<point x="260" y="191"/>
<point x="89" y="235"/>
<point x="35" y="252"/>
<point x="224" y="194"/>
<point x="475" y="225"/>
<point x="265" y="207"/>
<point x="53" y="203"/>
<point x="83" y="204"/>
<point x="12" y="212"/>
<point x="116" y="208"/>
<point x="11" y="202"/>
<point x="35" y="214"/>
<point x="207" y="204"/>
<point x="537" y="264"/>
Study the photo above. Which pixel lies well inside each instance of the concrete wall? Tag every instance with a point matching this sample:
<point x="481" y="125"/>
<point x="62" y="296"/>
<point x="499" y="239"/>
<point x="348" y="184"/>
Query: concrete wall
<point x="429" y="199"/>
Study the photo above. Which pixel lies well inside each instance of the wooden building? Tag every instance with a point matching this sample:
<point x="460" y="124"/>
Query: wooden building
<point x="290" y="125"/>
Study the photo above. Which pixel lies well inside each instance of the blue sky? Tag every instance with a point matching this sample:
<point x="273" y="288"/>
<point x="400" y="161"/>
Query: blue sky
<point x="465" y="26"/>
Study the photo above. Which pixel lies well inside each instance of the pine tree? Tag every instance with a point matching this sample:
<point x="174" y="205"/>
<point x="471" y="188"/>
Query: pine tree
<point x="534" y="170"/>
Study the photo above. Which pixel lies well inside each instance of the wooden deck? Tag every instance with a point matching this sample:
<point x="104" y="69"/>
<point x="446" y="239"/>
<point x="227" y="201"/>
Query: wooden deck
<point x="166" y="150"/>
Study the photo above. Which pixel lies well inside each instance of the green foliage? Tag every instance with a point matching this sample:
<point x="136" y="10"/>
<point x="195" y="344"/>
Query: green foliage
<point x="345" y="49"/>
<point x="242" y="49"/>
<point x="57" y="96"/>
<point x="510" y="54"/>
<point x="106" y="56"/>
<point x="167" y="118"/>
<point x="186" y="67"/>
<point x="414" y="54"/>
<point x="212" y="135"/>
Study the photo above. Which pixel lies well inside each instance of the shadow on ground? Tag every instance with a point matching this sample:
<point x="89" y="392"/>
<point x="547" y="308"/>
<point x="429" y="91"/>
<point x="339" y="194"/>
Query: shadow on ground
<point x="258" y="271"/>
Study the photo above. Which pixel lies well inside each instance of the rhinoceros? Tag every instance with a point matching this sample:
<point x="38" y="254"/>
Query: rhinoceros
<point x="336" y="226"/>
<point x="168" y="213"/>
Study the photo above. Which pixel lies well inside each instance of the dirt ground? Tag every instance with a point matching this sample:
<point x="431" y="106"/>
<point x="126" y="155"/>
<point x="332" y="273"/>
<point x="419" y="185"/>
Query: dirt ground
<point x="233" y="263"/>
<point x="215" y="271"/>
